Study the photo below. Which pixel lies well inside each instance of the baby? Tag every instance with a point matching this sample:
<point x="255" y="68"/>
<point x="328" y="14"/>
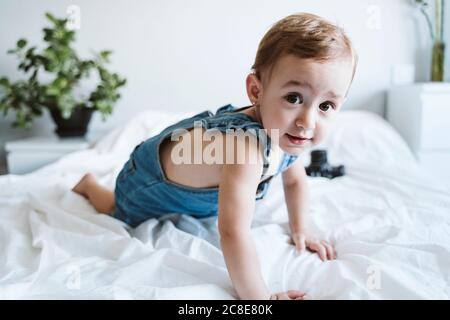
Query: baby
<point x="303" y="69"/>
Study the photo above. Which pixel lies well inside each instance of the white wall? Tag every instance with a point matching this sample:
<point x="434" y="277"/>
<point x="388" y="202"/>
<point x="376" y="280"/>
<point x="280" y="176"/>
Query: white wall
<point x="195" y="54"/>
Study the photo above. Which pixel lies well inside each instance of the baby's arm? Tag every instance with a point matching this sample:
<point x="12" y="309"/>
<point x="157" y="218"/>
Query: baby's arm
<point x="296" y="192"/>
<point x="236" y="206"/>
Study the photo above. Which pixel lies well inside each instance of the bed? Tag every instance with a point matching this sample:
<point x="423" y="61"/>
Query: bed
<point x="388" y="219"/>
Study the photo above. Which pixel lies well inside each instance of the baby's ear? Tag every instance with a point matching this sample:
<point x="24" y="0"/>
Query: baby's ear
<point x="253" y="86"/>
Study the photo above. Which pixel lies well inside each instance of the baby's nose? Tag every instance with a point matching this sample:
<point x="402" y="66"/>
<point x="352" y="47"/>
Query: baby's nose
<point x="307" y="122"/>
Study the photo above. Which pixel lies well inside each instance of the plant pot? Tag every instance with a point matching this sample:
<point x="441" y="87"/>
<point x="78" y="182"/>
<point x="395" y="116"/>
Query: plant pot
<point x="75" y="126"/>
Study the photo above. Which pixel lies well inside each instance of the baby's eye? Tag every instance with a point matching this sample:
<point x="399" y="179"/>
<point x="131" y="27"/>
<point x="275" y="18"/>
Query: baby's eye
<point x="294" y="98"/>
<point x="326" y="106"/>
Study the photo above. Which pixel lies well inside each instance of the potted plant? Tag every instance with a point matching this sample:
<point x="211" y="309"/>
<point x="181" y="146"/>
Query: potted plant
<point x="65" y="71"/>
<point x="437" y="36"/>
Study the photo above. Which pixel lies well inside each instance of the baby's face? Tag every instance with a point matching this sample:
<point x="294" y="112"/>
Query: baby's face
<point x="301" y="98"/>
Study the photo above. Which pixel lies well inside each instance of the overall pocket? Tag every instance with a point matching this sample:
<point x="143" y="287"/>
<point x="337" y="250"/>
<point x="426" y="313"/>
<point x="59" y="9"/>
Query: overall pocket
<point x="129" y="167"/>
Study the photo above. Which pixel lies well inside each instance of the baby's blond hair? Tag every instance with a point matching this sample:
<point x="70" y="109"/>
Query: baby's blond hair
<point x="306" y="36"/>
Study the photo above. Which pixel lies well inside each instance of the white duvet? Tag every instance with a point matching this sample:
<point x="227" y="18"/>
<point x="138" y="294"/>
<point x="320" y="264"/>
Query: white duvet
<point x="388" y="220"/>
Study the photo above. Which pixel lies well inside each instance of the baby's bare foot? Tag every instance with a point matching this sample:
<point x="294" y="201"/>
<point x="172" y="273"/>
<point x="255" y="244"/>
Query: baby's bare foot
<point x="85" y="181"/>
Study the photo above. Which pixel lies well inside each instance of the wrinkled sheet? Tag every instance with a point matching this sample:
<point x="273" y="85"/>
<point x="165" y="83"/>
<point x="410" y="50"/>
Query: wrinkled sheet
<point x="387" y="218"/>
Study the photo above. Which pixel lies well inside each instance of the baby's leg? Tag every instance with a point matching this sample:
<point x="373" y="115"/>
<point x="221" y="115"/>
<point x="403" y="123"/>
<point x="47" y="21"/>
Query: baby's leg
<point x="100" y="197"/>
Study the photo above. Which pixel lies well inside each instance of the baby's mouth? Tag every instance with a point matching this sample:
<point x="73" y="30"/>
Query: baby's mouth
<point x="298" y="140"/>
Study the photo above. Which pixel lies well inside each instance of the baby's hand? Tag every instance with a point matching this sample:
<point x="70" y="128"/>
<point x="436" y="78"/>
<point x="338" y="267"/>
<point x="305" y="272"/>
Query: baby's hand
<point x="323" y="248"/>
<point x="289" y="295"/>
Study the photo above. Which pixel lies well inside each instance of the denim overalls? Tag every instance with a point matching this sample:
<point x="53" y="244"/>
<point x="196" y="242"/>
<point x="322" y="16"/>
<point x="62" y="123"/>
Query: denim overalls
<point x="143" y="192"/>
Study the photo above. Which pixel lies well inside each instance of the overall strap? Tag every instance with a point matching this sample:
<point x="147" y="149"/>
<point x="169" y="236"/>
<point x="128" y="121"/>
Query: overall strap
<point x="229" y="112"/>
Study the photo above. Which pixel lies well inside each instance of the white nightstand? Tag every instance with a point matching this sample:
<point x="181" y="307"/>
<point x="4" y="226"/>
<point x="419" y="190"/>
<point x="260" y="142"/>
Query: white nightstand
<point x="24" y="156"/>
<point x="421" y="114"/>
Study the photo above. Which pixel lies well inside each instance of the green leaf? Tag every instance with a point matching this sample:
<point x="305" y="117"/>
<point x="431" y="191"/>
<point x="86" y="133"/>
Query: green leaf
<point x="122" y="82"/>
<point x="21" y="43"/>
<point x="48" y="34"/>
<point x="30" y="53"/>
<point x="51" y="17"/>
<point x="52" y="91"/>
<point x="104" y="55"/>
<point x="4" y="82"/>
<point x="5" y="109"/>
<point x="60" y="83"/>
<point x="59" y="24"/>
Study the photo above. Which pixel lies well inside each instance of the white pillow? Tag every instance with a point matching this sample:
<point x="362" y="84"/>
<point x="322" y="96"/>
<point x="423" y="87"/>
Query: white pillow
<point x="359" y="136"/>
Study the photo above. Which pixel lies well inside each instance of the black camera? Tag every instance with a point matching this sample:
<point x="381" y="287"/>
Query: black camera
<point x="319" y="166"/>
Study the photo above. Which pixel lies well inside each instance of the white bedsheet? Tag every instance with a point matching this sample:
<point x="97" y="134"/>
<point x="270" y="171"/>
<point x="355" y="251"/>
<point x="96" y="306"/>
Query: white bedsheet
<point x="389" y="222"/>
